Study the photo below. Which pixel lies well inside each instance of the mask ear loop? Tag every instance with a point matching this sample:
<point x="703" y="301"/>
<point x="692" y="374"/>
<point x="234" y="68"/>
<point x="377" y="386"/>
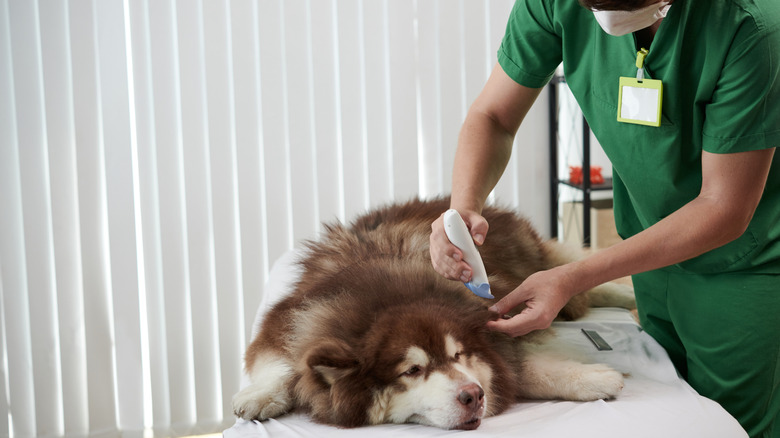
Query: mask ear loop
<point x="640" y="64"/>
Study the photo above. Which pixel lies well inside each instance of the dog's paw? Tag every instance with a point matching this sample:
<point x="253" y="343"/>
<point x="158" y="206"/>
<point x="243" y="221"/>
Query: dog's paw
<point x="598" y="382"/>
<point x="256" y="402"/>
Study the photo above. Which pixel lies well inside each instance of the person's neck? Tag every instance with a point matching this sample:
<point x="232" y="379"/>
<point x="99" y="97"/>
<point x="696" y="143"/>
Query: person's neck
<point x="644" y="37"/>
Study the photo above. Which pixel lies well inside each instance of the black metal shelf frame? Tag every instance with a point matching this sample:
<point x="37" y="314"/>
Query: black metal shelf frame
<point x="587" y="188"/>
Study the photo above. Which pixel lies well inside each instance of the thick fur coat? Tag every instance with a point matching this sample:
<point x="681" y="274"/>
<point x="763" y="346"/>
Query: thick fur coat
<point x="372" y="334"/>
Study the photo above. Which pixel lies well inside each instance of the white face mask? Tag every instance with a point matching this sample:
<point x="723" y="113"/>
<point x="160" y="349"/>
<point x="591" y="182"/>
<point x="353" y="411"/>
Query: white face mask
<point x="618" y="23"/>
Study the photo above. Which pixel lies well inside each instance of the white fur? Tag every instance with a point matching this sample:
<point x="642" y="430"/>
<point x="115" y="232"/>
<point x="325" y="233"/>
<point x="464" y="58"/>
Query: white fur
<point x="414" y="356"/>
<point x="612" y="295"/>
<point x="432" y="400"/>
<point x="268" y="395"/>
<point x="480" y="372"/>
<point x="548" y="374"/>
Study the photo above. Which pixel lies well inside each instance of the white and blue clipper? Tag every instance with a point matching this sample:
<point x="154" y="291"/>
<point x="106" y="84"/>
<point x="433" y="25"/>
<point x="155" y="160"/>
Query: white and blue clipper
<point x="459" y="235"/>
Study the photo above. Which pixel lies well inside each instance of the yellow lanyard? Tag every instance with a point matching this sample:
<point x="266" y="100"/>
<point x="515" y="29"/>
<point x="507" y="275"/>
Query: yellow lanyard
<point x="640" y="63"/>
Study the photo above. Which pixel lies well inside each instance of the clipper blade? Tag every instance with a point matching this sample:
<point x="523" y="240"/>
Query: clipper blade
<point x="481" y="290"/>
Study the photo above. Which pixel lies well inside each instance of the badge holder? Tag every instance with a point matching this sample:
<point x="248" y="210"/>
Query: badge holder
<point x="639" y="99"/>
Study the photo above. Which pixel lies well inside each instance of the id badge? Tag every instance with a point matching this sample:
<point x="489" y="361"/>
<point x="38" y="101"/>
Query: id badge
<point x="639" y="101"/>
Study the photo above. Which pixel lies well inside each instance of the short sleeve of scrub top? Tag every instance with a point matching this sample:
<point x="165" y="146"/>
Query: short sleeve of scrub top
<point x="742" y="113"/>
<point x="530" y="26"/>
<point x="719" y="62"/>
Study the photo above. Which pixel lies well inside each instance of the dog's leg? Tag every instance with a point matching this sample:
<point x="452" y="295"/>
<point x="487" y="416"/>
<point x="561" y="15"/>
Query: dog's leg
<point x="612" y="295"/>
<point x="268" y="395"/>
<point x="548" y="375"/>
<point x="557" y="253"/>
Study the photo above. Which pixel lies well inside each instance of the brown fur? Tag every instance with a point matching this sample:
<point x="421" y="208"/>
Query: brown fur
<point x="368" y="291"/>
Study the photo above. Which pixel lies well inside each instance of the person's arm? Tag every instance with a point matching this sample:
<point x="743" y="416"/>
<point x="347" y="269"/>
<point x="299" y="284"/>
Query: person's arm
<point x="732" y="185"/>
<point x="484" y="147"/>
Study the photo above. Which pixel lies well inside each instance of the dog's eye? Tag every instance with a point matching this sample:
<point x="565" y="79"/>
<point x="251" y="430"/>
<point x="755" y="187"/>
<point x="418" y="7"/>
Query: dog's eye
<point x="413" y="371"/>
<point x="457" y="355"/>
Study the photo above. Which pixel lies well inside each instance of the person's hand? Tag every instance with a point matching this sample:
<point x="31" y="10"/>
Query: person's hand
<point x="446" y="258"/>
<point x="544" y="295"/>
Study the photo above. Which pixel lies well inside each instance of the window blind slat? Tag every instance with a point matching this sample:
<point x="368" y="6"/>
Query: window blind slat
<point x="276" y="159"/>
<point x="376" y="82"/>
<point x="98" y="314"/>
<point x="5" y="426"/>
<point x="352" y="106"/>
<point x="171" y="359"/>
<point x="12" y="251"/>
<point x="63" y="173"/>
<point x="116" y="136"/>
<point x="403" y="102"/>
<point x="451" y="78"/>
<point x="36" y="210"/>
<point x="227" y="350"/>
<point x="299" y="70"/>
<point x="17" y="349"/>
<point x="153" y="313"/>
<point x="178" y="374"/>
<point x="429" y="102"/>
<point x="249" y="159"/>
<point x="200" y="323"/>
<point x="325" y="100"/>
<point x="477" y="47"/>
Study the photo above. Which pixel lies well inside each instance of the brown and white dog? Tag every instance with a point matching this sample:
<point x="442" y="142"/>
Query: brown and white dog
<point x="372" y="334"/>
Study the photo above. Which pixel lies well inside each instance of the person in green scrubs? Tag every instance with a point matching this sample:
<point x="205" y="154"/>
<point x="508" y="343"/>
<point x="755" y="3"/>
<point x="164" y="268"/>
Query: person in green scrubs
<point x="696" y="185"/>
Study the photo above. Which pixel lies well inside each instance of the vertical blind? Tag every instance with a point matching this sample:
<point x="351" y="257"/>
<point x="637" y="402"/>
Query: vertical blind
<point x="157" y="156"/>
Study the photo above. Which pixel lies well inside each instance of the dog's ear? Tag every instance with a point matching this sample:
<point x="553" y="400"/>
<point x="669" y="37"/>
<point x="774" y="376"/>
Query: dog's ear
<point x="332" y="361"/>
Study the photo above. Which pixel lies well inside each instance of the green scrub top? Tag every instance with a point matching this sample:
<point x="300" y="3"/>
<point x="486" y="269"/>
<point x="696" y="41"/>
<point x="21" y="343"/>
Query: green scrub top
<point x="719" y="61"/>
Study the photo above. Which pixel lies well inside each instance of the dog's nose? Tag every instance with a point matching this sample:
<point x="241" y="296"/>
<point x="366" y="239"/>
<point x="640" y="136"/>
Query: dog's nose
<point x="470" y="394"/>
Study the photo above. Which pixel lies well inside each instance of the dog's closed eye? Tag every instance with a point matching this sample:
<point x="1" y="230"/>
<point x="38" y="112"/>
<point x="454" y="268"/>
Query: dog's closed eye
<point x="413" y="371"/>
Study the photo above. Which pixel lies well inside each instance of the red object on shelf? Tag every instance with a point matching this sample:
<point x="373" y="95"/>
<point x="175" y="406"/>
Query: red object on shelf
<point x="575" y="175"/>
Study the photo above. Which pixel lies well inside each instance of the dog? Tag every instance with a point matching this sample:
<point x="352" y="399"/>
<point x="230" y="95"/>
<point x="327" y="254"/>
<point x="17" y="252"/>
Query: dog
<point x="371" y="334"/>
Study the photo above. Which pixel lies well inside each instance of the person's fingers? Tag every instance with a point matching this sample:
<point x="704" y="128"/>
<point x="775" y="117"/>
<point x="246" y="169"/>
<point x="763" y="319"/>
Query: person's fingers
<point x="537" y="314"/>
<point x="478" y="227"/>
<point x="446" y="258"/>
<point x="520" y="324"/>
<point x="452" y="266"/>
<point x="509" y="302"/>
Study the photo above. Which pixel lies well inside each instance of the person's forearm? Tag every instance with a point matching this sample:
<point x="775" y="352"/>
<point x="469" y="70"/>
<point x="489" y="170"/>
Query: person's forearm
<point x="732" y="185"/>
<point x="485" y="140"/>
<point x="483" y="152"/>
<point x="698" y="227"/>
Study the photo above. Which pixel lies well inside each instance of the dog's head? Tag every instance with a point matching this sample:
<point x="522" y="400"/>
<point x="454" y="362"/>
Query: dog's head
<point x="416" y="364"/>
